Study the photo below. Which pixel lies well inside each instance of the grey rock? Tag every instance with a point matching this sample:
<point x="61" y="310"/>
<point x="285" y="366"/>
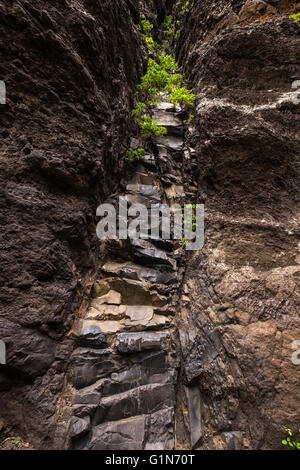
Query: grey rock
<point x="173" y="143"/>
<point x="146" y="253"/>
<point x="93" y="364"/>
<point x="119" y="435"/>
<point x="80" y="426"/>
<point x="90" y="335"/>
<point x="194" y="408"/>
<point x="160" y="430"/>
<point x="141" y="400"/>
<point x="136" y="342"/>
<point x="170" y="121"/>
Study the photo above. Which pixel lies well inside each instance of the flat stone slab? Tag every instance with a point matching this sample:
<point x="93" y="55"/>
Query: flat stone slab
<point x="137" y="401"/>
<point x="127" y="343"/>
<point x="138" y="315"/>
<point x="171" y="142"/>
<point x="170" y="121"/>
<point x="166" y="106"/>
<point x="119" y="435"/>
<point x="90" y="334"/>
<point x="99" y="311"/>
<point x="146" y="190"/>
<point x="112" y="297"/>
<point x="137" y="272"/>
<point x="105" y="327"/>
<point x="145" y="252"/>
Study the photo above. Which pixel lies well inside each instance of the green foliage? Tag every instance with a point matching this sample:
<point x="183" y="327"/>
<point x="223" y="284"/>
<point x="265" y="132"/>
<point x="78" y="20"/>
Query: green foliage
<point x="190" y="118"/>
<point x="167" y="62"/>
<point x="168" y="27"/>
<point x="183" y="97"/>
<point x="158" y="79"/>
<point x="149" y="127"/>
<point x="147" y="27"/>
<point x="134" y="154"/>
<point x="177" y="34"/>
<point x="295" y="17"/>
<point x="289" y="440"/>
<point x="155" y="79"/>
<point x="139" y="109"/>
<point x="184" y="6"/>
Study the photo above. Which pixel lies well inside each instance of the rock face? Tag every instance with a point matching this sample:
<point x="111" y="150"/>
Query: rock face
<point x="70" y="69"/>
<point x="136" y="344"/>
<point x="125" y="368"/>
<point x="242" y="313"/>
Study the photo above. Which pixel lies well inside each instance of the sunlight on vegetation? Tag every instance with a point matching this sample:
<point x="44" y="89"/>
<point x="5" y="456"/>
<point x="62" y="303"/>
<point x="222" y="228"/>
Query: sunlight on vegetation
<point x="160" y="80"/>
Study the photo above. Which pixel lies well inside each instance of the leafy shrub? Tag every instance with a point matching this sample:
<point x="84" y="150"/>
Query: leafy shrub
<point x="147" y="27"/>
<point x="183" y="97"/>
<point x="149" y="127"/>
<point x="158" y="79"/>
<point x="296" y="16"/>
<point x="134" y="154"/>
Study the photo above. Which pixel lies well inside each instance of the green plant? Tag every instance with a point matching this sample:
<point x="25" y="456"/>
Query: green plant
<point x="190" y="118"/>
<point x="147" y="27"/>
<point x="168" y="26"/>
<point x="134" y="154"/>
<point x="295" y="17"/>
<point x="183" y="97"/>
<point x="288" y="440"/>
<point x="149" y="127"/>
<point x="158" y="79"/>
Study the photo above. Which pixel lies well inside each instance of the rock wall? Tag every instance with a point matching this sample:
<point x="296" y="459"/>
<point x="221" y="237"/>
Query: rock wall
<point x="241" y="312"/>
<point x="71" y="68"/>
<point x="123" y="374"/>
<point x="179" y="350"/>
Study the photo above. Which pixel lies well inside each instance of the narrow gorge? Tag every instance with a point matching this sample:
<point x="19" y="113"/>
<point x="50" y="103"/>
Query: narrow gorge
<point x="142" y="344"/>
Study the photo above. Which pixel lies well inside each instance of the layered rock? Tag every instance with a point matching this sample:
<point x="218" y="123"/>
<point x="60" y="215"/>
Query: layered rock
<point x="70" y="70"/>
<point x="241" y="314"/>
<point x="124" y="371"/>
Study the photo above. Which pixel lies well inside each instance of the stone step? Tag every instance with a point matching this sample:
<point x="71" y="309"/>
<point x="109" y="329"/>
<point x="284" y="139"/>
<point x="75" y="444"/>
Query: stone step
<point x="128" y="343"/>
<point x="145" y="190"/>
<point x="156" y="370"/>
<point x="166" y="119"/>
<point x="91" y="365"/>
<point x="138" y="401"/>
<point x="146" y="253"/>
<point x="149" y="161"/>
<point x="136" y="292"/>
<point x="138" y="273"/>
<point x="166" y="106"/>
<point x="153" y="432"/>
<point x="170" y="142"/>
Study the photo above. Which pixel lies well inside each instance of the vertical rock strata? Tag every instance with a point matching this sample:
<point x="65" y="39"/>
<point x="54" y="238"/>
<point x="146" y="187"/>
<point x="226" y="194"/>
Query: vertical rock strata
<point x="125" y="367"/>
<point x="242" y="316"/>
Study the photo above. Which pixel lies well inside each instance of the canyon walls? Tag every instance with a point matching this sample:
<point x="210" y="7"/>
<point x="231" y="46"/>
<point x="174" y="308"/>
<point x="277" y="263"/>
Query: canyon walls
<point x="241" y="311"/>
<point x="202" y="357"/>
<point x="70" y="68"/>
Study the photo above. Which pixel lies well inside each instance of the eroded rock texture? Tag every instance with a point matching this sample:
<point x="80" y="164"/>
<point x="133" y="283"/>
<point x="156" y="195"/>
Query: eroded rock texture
<point x="241" y="314"/>
<point x="141" y="345"/>
<point x="70" y="69"/>
<point x="124" y="371"/>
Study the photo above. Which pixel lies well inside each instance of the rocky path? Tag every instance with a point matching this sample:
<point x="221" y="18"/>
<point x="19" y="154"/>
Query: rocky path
<point x="126" y="363"/>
